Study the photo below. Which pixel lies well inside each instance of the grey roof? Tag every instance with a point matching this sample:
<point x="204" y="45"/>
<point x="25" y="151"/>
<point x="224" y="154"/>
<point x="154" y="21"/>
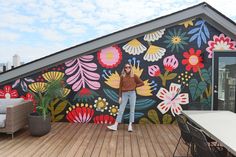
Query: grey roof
<point x="203" y="10"/>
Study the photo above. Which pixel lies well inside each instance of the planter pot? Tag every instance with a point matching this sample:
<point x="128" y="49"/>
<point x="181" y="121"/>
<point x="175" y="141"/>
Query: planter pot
<point x="38" y="126"/>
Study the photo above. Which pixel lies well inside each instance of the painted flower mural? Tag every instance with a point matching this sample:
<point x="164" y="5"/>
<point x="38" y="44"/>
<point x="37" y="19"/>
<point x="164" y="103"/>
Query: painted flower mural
<point x="110" y="57"/>
<point x="193" y="60"/>
<point x="151" y="37"/>
<point x="104" y="119"/>
<point x="81" y="113"/>
<point x="176" y="40"/>
<point x="154" y="53"/>
<point x="174" y="63"/>
<point x="100" y="104"/>
<point x="172" y="99"/>
<point x="134" y="47"/>
<point x="220" y="42"/>
<point x="7" y="92"/>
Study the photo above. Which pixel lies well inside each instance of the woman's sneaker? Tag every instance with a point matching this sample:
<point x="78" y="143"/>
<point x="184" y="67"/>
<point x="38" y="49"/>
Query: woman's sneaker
<point x="130" y="129"/>
<point x="112" y="127"/>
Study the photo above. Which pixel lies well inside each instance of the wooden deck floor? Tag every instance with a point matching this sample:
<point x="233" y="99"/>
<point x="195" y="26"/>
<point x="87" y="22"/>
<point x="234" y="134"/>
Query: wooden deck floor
<point x="95" y="140"/>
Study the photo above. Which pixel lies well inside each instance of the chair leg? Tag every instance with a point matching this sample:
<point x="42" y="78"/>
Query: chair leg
<point x="176" y="146"/>
<point x="12" y="135"/>
<point x="188" y="149"/>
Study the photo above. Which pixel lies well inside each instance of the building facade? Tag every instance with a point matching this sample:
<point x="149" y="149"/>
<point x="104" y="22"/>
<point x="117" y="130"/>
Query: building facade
<point x="175" y="63"/>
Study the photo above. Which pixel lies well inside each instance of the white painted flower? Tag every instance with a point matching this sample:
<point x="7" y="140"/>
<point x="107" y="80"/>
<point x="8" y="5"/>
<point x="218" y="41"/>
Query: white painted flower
<point x="154" y="35"/>
<point x="134" y="47"/>
<point x="172" y="99"/>
<point x="154" y="53"/>
<point x="113" y="110"/>
<point x="101" y="104"/>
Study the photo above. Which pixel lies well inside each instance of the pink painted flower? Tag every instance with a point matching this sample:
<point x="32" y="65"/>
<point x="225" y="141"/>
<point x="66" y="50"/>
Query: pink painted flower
<point x="172" y="99"/>
<point x="80" y="114"/>
<point x="170" y="63"/>
<point x="154" y="70"/>
<point x="220" y="43"/>
<point x="8" y="92"/>
<point x="104" y="119"/>
<point x="110" y="57"/>
<point x="30" y="97"/>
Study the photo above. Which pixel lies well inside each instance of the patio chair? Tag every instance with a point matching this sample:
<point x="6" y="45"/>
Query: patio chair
<point x="201" y="147"/>
<point x="185" y="133"/>
<point x="13" y="115"/>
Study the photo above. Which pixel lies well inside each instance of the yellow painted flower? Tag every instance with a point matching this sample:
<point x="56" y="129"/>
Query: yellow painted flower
<point x="187" y="23"/>
<point x="38" y="87"/>
<point x="154" y="53"/>
<point x="53" y="75"/>
<point x="113" y="110"/>
<point x="66" y="91"/>
<point x="154" y="35"/>
<point x="112" y="79"/>
<point x="101" y="104"/>
<point x="134" y="47"/>
<point x="136" y="66"/>
<point x="146" y="89"/>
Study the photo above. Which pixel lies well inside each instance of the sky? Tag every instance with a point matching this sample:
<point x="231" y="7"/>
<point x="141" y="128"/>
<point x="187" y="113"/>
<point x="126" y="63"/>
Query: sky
<point x="34" y="29"/>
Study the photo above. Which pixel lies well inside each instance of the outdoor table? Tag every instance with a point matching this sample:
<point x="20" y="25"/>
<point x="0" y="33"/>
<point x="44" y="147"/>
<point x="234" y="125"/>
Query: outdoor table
<point x="219" y="125"/>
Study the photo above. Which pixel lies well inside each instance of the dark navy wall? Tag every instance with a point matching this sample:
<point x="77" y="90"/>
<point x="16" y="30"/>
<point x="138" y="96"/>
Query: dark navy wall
<point x="174" y="63"/>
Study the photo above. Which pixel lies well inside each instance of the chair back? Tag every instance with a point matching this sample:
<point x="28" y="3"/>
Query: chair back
<point x="185" y="133"/>
<point x="201" y="147"/>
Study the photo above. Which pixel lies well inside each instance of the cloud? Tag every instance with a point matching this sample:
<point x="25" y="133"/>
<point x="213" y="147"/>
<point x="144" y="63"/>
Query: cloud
<point x="8" y="36"/>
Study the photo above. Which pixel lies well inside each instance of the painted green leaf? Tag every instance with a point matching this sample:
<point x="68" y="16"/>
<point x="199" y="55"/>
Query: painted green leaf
<point x="136" y="115"/>
<point x="152" y="115"/>
<point x="171" y="76"/>
<point x="144" y="121"/>
<point x="167" y="119"/>
<point x="206" y="103"/>
<point x="58" y="118"/>
<point x="111" y="94"/>
<point x="60" y="107"/>
<point x="52" y="104"/>
<point x="196" y="89"/>
<point x="206" y="76"/>
<point x="142" y="104"/>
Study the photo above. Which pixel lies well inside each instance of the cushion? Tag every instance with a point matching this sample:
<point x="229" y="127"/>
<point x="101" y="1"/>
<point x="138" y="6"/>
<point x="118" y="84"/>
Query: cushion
<point x="2" y="120"/>
<point x="4" y="103"/>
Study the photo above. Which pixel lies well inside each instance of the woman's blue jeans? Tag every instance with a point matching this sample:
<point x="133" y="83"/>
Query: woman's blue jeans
<point x="131" y="96"/>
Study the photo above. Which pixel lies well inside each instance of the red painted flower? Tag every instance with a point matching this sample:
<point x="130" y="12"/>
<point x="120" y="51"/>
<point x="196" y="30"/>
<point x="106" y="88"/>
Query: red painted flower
<point x="8" y="92"/>
<point x="193" y="60"/>
<point x="30" y="97"/>
<point x="104" y="119"/>
<point x="110" y="57"/>
<point x="170" y="63"/>
<point x="80" y="113"/>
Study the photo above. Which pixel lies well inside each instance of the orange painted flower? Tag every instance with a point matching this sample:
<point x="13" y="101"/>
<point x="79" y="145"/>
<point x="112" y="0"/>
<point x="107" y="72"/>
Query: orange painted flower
<point x="193" y="60"/>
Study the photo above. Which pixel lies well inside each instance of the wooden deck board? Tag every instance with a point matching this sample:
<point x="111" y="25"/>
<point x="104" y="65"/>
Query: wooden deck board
<point x="95" y="140"/>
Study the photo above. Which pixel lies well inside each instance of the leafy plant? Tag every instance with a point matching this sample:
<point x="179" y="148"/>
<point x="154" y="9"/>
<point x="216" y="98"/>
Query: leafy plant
<point x="53" y="90"/>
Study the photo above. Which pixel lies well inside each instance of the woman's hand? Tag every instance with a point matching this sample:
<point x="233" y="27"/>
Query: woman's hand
<point x="120" y="100"/>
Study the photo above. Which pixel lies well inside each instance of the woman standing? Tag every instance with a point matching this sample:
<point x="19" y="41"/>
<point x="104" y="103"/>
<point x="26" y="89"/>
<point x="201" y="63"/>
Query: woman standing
<point x="128" y="83"/>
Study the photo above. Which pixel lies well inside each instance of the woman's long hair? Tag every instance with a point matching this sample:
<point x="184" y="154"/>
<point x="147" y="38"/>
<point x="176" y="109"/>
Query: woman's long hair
<point x="123" y="73"/>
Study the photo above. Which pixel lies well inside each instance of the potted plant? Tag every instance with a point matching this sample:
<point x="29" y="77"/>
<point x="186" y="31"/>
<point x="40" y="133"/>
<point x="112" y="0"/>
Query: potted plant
<point x="40" y="121"/>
